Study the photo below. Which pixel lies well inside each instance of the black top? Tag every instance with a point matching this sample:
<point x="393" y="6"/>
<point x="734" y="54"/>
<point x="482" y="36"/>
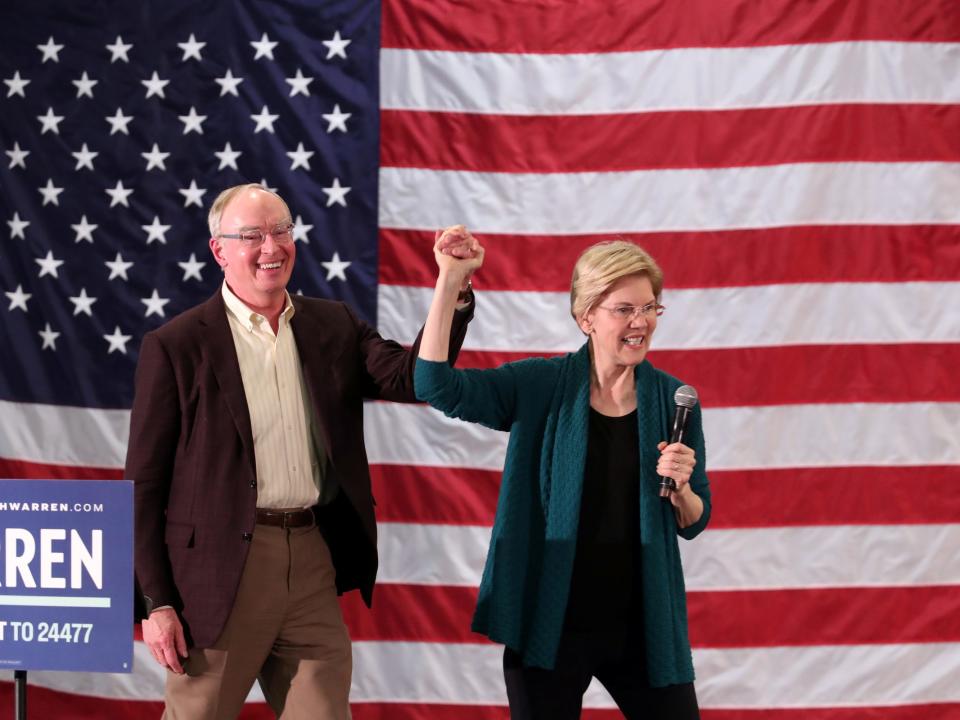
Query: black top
<point x="604" y="592"/>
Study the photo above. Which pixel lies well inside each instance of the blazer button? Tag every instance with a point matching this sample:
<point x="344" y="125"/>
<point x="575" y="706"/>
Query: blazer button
<point x="248" y="536"/>
<point x="253" y="483"/>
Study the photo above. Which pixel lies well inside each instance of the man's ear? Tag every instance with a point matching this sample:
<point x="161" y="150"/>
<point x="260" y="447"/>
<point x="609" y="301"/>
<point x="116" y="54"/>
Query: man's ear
<point x="216" y="248"/>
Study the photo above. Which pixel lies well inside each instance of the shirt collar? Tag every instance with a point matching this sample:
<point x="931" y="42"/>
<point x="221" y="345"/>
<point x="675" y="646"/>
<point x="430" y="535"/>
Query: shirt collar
<point x="247" y="317"/>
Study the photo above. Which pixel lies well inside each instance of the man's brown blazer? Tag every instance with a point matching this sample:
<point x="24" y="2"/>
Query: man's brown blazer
<point x="191" y="453"/>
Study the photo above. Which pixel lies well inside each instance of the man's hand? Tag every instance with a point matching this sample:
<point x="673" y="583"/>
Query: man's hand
<point x="163" y="634"/>
<point x="458" y="255"/>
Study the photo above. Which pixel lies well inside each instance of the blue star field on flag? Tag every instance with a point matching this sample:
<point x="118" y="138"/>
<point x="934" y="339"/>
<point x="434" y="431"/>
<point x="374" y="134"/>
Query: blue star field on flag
<point x="120" y="124"/>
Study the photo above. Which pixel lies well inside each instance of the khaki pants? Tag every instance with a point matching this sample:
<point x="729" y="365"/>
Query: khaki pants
<point x="285" y="630"/>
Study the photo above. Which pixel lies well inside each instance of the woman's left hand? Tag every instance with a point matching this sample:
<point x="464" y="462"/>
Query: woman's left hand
<point x="676" y="462"/>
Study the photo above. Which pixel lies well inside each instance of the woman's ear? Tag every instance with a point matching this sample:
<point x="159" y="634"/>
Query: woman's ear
<point x="586" y="323"/>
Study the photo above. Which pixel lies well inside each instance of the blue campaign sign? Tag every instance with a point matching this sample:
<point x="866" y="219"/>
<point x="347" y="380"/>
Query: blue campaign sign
<point x="66" y="575"/>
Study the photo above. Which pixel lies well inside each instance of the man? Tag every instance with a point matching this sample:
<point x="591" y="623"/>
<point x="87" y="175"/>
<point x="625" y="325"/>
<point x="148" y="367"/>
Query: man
<point x="253" y="502"/>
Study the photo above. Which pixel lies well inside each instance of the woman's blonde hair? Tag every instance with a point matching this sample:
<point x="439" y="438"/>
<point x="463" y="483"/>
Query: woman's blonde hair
<point x="602" y="265"/>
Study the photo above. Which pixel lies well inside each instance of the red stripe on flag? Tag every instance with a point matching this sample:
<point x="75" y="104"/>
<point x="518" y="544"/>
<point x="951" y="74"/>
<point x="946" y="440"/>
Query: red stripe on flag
<point x="834" y="496"/>
<point x="741" y="498"/>
<point x="850" y="253"/>
<point x="931" y="711"/>
<point x="415" y="613"/>
<point x="410" y="711"/>
<point x="657" y="140"/>
<point x="46" y="703"/>
<point x="794" y="617"/>
<point x="796" y="374"/>
<point x="801" y="374"/>
<point x="824" y="616"/>
<point x="23" y="470"/>
<point x="53" y="704"/>
<point x="598" y="26"/>
<point x="436" y="495"/>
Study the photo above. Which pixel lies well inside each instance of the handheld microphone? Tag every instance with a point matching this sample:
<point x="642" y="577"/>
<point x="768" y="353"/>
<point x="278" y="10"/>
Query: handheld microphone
<point x="686" y="399"/>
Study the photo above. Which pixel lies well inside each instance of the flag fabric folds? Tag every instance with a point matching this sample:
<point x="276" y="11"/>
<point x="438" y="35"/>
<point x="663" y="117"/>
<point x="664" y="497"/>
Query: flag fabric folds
<point x="794" y="167"/>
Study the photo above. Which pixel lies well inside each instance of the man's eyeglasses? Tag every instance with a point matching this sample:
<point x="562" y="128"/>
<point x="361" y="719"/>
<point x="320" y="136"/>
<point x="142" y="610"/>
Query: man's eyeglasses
<point x="281" y="234"/>
<point x="629" y="312"/>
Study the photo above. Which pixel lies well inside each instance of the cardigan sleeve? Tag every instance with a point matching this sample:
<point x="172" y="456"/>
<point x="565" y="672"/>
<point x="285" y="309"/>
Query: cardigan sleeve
<point x="698" y="481"/>
<point x="487" y="396"/>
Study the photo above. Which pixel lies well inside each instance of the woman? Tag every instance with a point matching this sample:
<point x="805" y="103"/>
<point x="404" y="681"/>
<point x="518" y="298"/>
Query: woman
<point x="583" y="576"/>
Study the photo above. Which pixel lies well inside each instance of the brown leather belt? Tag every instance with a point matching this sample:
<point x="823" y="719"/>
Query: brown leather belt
<point x="285" y="518"/>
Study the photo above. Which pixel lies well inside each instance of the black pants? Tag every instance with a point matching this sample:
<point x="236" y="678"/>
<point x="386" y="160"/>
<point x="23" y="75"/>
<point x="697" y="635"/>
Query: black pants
<point x="538" y="694"/>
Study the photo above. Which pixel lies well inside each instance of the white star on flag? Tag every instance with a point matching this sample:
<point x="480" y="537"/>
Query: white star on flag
<point x="84" y="230"/>
<point x="50" y="122"/>
<point x="300" y="157"/>
<point x="228" y="157"/>
<point x="300" y="230"/>
<point x="48" y="265"/>
<point x="118" y="122"/>
<point x="51" y="51"/>
<point x="336" y="193"/>
<point x="192" y="195"/>
<point x="118" y="341"/>
<point x="18" y="298"/>
<point x="16" y="85"/>
<point x="154" y="304"/>
<point x="266" y="186"/>
<point x="49" y="337"/>
<point x="156" y="231"/>
<point x="118" y="51"/>
<point x="336" y="268"/>
<point x="84" y="157"/>
<point x="84" y="86"/>
<point x="17" y="156"/>
<point x="264" y="47"/>
<point x="299" y="83"/>
<point x="336" y="120"/>
<point x="264" y="120"/>
<point x="336" y="46"/>
<point x="17" y="226"/>
<point x="119" y="194"/>
<point x="228" y="84"/>
<point x="191" y="268"/>
<point x="155" y="158"/>
<point x="155" y="85"/>
<point x="50" y="193"/>
<point x="192" y="121"/>
<point x="83" y="303"/>
<point x="118" y="267"/>
<point x="191" y="48"/>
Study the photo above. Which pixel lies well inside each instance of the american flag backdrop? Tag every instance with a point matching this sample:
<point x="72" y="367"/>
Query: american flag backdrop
<point x="793" y="165"/>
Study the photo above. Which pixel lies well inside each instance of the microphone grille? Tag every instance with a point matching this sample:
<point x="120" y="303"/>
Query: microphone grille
<point x="685" y="396"/>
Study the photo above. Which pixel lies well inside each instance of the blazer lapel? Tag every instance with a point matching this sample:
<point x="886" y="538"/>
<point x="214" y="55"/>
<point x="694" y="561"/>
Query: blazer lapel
<point x="218" y="346"/>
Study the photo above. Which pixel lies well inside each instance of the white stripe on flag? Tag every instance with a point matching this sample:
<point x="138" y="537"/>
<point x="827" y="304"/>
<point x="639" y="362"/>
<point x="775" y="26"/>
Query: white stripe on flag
<point x="816" y="676"/>
<point x="702" y="318"/>
<point x="775" y="436"/>
<point x="793" y="436"/>
<point x="61" y="435"/>
<point x="676" y="79"/>
<point x="757" y="558"/>
<point x="854" y="193"/>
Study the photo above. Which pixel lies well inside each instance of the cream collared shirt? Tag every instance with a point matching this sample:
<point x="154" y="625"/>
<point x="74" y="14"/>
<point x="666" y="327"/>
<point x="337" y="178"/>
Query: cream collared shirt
<point x="286" y="444"/>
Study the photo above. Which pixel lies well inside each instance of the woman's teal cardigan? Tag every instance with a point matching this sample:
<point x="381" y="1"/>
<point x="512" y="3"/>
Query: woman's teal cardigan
<point x="544" y="403"/>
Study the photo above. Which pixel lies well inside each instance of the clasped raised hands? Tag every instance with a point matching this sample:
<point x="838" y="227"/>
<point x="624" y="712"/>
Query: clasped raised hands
<point x="458" y="253"/>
